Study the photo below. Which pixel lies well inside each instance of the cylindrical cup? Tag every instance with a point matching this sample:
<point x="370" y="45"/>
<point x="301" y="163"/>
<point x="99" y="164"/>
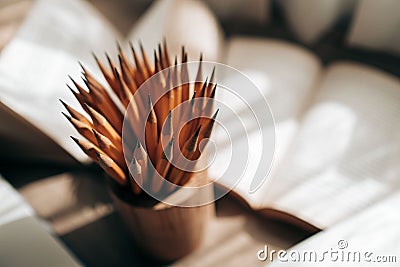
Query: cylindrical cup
<point x="167" y="232"/>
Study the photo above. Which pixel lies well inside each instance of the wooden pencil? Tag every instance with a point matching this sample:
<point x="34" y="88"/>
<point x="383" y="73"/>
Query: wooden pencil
<point x="83" y="129"/>
<point x="135" y="175"/>
<point x="75" y="114"/>
<point x="104" y="127"/>
<point x="122" y="154"/>
<point x="151" y="136"/>
<point x="110" y="149"/>
<point x="112" y="169"/>
<point x="162" y="167"/>
<point x="88" y="148"/>
<point x="182" y="165"/>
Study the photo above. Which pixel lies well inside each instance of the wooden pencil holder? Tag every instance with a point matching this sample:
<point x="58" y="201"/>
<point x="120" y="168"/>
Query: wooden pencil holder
<point x="168" y="232"/>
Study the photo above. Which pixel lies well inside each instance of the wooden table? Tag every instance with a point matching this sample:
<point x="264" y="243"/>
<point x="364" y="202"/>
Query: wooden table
<point x="77" y="205"/>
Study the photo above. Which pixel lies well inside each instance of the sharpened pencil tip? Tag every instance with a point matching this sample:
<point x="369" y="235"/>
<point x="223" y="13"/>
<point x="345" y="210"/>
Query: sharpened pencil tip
<point x="196" y="134"/>
<point x="81" y="65"/>
<point x="205" y="84"/>
<point x="66" y="116"/>
<point x="132" y="47"/>
<point x="76" y="140"/>
<point x="94" y="56"/>
<point x="215" y="115"/>
<point x="214" y="91"/>
<point x="72" y="90"/>
<point x="96" y="133"/>
<point x="98" y="154"/>
<point x="194" y="95"/>
<point x="118" y="46"/>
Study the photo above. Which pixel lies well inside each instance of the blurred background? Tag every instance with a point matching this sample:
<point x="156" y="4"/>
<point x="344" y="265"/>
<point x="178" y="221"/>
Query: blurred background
<point x="74" y="204"/>
<point x="359" y="30"/>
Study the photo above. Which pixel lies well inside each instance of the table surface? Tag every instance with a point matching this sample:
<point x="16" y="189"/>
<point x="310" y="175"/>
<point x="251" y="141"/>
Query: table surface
<point x="77" y="205"/>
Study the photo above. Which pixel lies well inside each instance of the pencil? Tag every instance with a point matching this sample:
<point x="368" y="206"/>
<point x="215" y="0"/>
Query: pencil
<point x="75" y="114"/>
<point x="109" y="148"/>
<point x="88" y="148"/>
<point x="128" y="155"/>
<point x="135" y="171"/>
<point x="111" y="168"/>
<point x="162" y="168"/>
<point x="106" y="106"/>
<point x="151" y="136"/>
<point x="104" y="127"/>
<point x="126" y="75"/>
<point x="189" y="149"/>
<point x="142" y="158"/>
<point x="83" y="129"/>
<point x="199" y="75"/>
<point x="107" y="74"/>
<point x="166" y="53"/>
<point x="146" y="62"/>
<point x="185" y="78"/>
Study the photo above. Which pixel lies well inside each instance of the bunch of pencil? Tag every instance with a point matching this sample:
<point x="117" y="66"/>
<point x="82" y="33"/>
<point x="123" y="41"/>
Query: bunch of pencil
<point x="146" y="155"/>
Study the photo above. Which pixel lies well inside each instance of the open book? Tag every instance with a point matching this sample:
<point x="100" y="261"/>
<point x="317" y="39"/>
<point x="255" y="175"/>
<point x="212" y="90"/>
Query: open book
<point x="337" y="135"/>
<point x="337" y="144"/>
<point x="353" y="242"/>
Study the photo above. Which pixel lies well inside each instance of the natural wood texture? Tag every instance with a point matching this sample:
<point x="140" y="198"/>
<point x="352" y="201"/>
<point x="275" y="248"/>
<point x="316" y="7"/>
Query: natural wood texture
<point x="167" y="232"/>
<point x="80" y="210"/>
<point x="149" y="108"/>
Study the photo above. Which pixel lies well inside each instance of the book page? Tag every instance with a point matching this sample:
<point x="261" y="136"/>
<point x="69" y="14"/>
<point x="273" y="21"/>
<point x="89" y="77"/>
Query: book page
<point x="21" y="142"/>
<point x="285" y="74"/>
<point x="370" y="238"/>
<point x="35" y="64"/>
<point x="182" y="22"/>
<point x="42" y="249"/>
<point x="346" y="155"/>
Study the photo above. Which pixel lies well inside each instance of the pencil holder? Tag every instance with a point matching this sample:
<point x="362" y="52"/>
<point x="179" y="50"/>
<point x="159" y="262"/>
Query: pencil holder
<point x="167" y="232"/>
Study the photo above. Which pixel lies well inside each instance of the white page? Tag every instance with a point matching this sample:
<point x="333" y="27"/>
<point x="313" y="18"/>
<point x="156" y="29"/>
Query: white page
<point x="26" y="243"/>
<point x="13" y="207"/>
<point x="311" y="19"/>
<point x="285" y="74"/>
<point x="35" y="64"/>
<point x="375" y="230"/>
<point x="375" y="26"/>
<point x="182" y="22"/>
<point x="346" y="155"/>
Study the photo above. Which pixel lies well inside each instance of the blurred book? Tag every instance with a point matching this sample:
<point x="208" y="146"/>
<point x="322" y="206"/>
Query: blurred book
<point x="336" y="128"/>
<point x="25" y="239"/>
<point x="369" y="238"/>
